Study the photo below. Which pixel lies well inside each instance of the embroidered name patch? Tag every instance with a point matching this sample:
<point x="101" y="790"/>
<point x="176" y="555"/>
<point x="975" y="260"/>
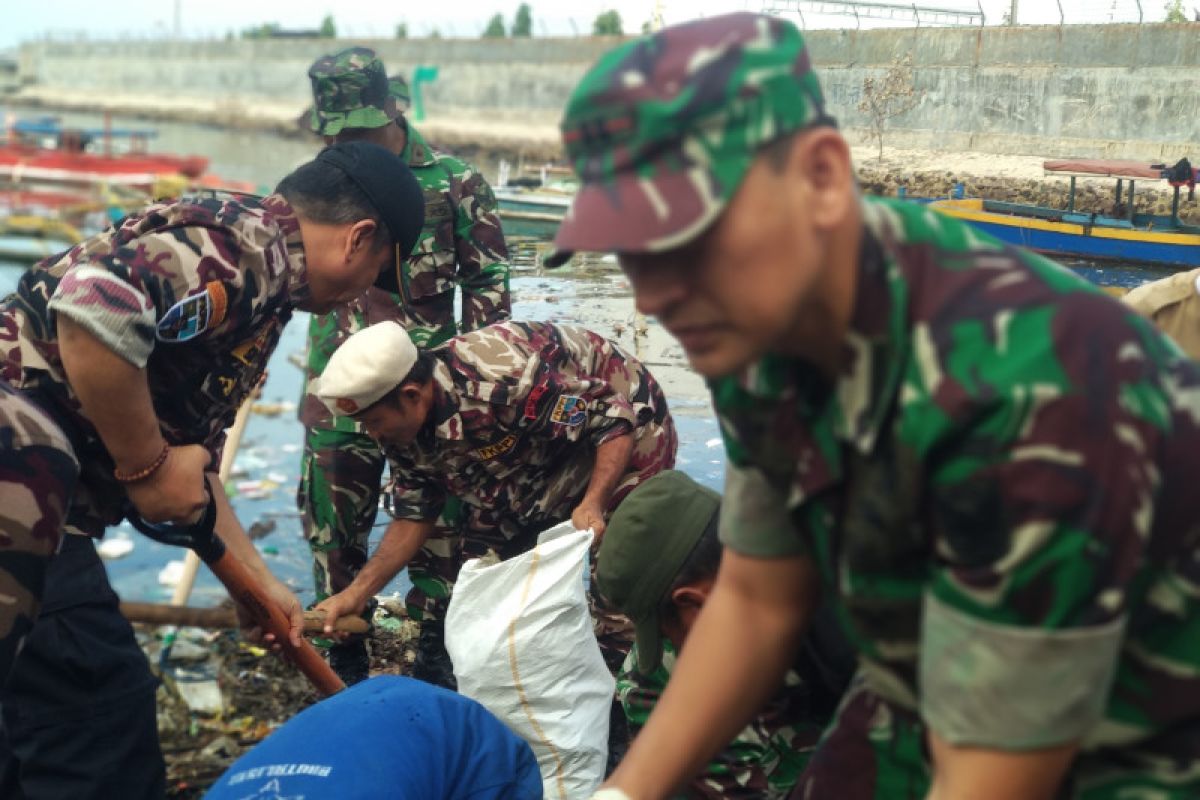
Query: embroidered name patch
<point x="569" y="410"/>
<point x="490" y="451"/>
<point x="193" y="315"/>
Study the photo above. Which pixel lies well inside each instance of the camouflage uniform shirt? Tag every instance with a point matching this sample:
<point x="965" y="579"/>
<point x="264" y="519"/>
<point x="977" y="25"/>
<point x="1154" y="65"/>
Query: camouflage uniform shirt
<point x="37" y="476"/>
<point x="462" y="244"/>
<point x="763" y="761"/>
<point x="519" y="410"/>
<point x="1000" y="489"/>
<point x="196" y="293"/>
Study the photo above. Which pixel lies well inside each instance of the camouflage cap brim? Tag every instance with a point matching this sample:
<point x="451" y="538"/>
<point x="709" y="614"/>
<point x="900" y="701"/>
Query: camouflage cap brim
<point x="634" y="214"/>
<point x="332" y="123"/>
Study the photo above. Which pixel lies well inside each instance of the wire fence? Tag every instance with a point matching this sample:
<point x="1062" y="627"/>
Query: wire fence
<point x="809" y="14"/>
<point x="817" y="14"/>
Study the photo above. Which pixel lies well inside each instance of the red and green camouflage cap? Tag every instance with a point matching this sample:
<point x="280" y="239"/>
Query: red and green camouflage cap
<point x="663" y="128"/>
<point x="351" y="90"/>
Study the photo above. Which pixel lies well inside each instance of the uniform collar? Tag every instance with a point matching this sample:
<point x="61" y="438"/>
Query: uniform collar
<point x="875" y="347"/>
<point x="417" y="152"/>
<point x="279" y="212"/>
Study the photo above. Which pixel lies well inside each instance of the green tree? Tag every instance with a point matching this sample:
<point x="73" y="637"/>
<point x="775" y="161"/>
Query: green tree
<point x="607" y="24"/>
<point x="328" y="28"/>
<point x="264" y="31"/>
<point x="522" y="26"/>
<point x="401" y="30"/>
<point x="434" y="33"/>
<point x="1174" y="11"/>
<point x="495" y="28"/>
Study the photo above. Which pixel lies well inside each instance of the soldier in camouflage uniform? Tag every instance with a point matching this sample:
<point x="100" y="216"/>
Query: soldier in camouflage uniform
<point x="986" y="463"/>
<point x="461" y="245"/>
<point x="528" y="424"/>
<point x="657" y="565"/>
<point x="37" y="476"/>
<point x="141" y="343"/>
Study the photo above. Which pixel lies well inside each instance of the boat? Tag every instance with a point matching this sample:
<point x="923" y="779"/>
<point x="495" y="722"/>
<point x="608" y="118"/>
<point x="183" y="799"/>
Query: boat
<point x="42" y="150"/>
<point x="1123" y="235"/>
<point x="533" y="206"/>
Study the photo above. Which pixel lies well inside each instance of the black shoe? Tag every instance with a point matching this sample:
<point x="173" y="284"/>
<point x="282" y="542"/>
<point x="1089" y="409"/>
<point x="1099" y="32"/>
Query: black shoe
<point x="433" y="664"/>
<point x="349" y="660"/>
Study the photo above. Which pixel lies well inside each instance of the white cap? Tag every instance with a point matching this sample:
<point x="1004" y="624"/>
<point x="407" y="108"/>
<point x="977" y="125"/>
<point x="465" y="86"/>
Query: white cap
<point x="367" y="366"/>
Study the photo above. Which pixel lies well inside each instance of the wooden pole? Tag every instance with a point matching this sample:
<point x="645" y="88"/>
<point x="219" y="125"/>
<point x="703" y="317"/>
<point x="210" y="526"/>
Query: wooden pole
<point x="224" y="618"/>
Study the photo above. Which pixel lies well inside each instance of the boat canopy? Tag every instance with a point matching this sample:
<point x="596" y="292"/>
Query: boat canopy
<point x="1105" y="168"/>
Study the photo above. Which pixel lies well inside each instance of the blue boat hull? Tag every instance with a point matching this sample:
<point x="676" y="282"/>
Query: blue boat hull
<point x="1093" y="247"/>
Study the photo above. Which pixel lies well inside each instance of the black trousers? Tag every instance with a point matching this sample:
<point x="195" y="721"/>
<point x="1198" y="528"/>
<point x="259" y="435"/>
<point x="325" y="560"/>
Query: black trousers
<point x="78" y="711"/>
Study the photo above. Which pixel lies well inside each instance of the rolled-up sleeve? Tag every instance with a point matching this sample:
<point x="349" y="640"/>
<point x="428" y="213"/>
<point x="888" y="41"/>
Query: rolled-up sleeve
<point x="1039" y="541"/>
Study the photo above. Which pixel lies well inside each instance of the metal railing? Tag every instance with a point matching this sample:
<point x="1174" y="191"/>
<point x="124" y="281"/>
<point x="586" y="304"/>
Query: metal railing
<point x="906" y="13"/>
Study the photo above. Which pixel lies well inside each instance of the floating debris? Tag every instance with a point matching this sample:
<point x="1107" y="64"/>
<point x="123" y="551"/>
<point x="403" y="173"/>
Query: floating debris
<point x="114" y="547"/>
<point x="171" y="574"/>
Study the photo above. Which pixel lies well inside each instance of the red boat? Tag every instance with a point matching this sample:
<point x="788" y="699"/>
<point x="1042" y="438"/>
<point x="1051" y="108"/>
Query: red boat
<point x="45" y="152"/>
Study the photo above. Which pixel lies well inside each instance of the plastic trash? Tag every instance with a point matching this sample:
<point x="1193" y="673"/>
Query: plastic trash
<point x="114" y="547"/>
<point x="171" y="574"/>
<point x="522" y="643"/>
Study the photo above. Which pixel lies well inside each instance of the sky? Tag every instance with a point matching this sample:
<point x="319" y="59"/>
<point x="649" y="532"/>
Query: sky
<point x="22" y="20"/>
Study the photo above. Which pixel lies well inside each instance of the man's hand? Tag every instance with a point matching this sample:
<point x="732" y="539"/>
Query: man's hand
<point x="288" y="603"/>
<point x="346" y="603"/>
<point x="176" y="491"/>
<point x="589" y="515"/>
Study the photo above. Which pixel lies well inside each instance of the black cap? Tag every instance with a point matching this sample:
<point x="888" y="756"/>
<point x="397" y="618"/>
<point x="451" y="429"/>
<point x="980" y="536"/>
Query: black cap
<point x="392" y="189"/>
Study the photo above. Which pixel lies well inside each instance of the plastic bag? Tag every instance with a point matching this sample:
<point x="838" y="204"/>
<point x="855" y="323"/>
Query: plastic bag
<point x="523" y="645"/>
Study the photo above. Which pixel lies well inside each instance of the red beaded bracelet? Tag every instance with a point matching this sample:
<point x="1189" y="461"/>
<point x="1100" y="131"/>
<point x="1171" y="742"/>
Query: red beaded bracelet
<point x="142" y="474"/>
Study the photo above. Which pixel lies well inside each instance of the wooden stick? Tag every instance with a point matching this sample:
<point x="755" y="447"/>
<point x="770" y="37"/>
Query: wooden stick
<point x="224" y="618"/>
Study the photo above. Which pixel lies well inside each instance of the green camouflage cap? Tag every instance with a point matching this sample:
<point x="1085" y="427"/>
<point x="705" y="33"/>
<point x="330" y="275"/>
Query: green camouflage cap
<point x="648" y="540"/>
<point x="662" y="128"/>
<point x="351" y="90"/>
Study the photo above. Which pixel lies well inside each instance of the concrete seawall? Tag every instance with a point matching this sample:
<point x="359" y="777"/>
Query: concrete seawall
<point x="1111" y="90"/>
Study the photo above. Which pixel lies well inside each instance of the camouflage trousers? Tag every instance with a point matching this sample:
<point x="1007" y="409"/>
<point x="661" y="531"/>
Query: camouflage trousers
<point x="338" y="498"/>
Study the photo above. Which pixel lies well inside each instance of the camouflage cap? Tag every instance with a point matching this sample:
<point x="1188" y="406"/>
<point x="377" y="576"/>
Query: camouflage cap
<point x="351" y="90"/>
<point x="663" y="128"/>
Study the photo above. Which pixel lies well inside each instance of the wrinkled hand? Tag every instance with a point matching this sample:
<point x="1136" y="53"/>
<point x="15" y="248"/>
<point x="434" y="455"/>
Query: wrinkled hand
<point x="287" y="602"/>
<point x="345" y="603"/>
<point x="175" y="492"/>
<point x="587" y="515"/>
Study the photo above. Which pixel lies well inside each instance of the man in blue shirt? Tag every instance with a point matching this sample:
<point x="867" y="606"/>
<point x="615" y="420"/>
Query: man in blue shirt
<point x="387" y="737"/>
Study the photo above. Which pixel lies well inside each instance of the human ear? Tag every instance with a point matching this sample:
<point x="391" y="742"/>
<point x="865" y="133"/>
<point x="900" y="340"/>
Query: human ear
<point x="822" y="160"/>
<point x="361" y="237"/>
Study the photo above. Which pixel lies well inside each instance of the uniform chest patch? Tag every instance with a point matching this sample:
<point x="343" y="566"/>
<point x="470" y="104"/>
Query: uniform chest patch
<point x="193" y="315"/>
<point x="569" y="410"/>
<point x="490" y="451"/>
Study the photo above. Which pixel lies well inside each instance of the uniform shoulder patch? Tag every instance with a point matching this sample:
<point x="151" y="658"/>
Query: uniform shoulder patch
<point x="569" y="410"/>
<point x="193" y="315"/>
